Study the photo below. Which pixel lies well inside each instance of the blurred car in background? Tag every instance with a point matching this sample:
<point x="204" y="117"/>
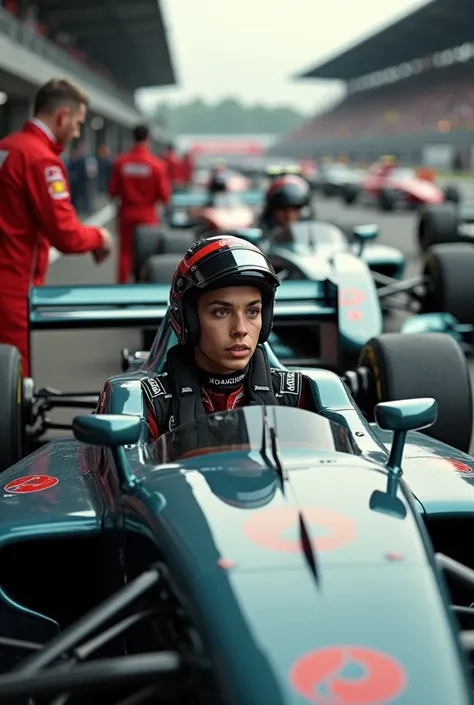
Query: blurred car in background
<point x="332" y="179"/>
<point x="389" y="186"/>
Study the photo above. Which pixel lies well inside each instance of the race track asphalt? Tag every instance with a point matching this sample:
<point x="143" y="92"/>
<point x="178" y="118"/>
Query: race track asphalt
<point x="82" y="360"/>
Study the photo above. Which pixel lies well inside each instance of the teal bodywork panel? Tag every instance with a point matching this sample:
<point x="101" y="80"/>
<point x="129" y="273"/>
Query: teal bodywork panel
<point x="134" y="305"/>
<point x="360" y="316"/>
<point x="196" y="199"/>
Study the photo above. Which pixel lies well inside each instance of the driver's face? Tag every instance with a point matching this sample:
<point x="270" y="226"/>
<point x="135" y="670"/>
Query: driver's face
<point x="287" y="216"/>
<point x="230" y="321"/>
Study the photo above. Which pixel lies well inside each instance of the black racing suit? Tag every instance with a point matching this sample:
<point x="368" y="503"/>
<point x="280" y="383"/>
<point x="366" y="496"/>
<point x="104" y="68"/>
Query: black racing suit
<point x="183" y="392"/>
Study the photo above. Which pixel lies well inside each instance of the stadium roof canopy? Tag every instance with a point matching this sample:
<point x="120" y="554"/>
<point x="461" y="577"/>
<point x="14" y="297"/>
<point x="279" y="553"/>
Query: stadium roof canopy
<point x="434" y="27"/>
<point x="127" y="37"/>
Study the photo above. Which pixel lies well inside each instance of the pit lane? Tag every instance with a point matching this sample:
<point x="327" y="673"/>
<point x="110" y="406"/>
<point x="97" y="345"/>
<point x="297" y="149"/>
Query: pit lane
<point x="82" y="360"/>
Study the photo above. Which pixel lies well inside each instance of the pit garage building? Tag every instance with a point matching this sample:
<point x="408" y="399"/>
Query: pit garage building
<point x="110" y="47"/>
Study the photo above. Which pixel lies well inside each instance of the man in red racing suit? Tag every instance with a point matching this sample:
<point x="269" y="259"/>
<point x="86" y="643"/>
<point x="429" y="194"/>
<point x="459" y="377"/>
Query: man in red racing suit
<point x="177" y="170"/>
<point x="35" y="206"/>
<point x="141" y="182"/>
<point x="221" y="309"/>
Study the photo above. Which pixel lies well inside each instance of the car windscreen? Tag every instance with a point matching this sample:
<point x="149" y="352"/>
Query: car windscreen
<point x="226" y="200"/>
<point x="294" y="432"/>
<point x="402" y="174"/>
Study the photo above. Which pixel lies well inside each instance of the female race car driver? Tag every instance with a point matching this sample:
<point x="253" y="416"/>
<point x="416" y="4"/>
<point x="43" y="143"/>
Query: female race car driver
<point x="221" y="307"/>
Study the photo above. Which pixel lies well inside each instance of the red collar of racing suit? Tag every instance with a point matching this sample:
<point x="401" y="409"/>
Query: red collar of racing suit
<point x="33" y="129"/>
<point x="220" y="401"/>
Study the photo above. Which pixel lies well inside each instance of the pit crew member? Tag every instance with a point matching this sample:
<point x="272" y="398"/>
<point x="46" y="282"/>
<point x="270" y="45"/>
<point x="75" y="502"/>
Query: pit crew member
<point x="140" y="181"/>
<point x="35" y="206"/>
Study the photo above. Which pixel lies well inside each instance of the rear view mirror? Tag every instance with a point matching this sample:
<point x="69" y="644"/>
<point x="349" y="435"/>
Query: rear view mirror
<point x="107" y="430"/>
<point x="364" y="233"/>
<point x="401" y="417"/>
<point x="407" y="414"/>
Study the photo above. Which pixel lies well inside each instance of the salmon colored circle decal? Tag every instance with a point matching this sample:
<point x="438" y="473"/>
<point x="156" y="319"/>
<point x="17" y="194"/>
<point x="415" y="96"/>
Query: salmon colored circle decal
<point x="351" y="297"/>
<point x="450" y="464"/>
<point x="269" y="528"/>
<point x="460" y="466"/>
<point x="355" y="315"/>
<point x="31" y="483"/>
<point x="348" y="675"/>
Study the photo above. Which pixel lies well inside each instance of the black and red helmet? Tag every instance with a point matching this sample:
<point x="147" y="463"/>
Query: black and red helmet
<point x="216" y="262"/>
<point x="287" y="191"/>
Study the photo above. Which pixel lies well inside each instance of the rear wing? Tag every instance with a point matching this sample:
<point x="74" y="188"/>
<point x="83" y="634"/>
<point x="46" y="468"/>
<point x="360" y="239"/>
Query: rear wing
<point x="298" y="303"/>
<point x="196" y="199"/>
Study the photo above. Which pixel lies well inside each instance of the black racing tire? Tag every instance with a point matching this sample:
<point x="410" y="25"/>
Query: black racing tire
<point x="438" y="225"/>
<point x="424" y="365"/>
<point x="387" y="200"/>
<point x="350" y="194"/>
<point x="175" y="242"/>
<point x="12" y="428"/>
<point x="159" y="269"/>
<point x="452" y="194"/>
<point x="146" y="243"/>
<point x="450" y="286"/>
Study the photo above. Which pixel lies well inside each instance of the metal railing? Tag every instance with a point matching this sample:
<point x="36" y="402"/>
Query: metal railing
<point x="29" y="39"/>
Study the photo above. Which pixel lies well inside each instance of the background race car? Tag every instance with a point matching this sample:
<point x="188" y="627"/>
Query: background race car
<point x="389" y="186"/>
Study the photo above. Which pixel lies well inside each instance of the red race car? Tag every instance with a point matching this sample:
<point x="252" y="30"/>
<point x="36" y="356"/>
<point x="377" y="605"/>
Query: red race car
<point x="389" y="186"/>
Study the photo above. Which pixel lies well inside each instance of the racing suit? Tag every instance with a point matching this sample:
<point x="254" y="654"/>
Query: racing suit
<point x="35" y="213"/>
<point x="188" y="169"/>
<point x="140" y="180"/>
<point x="183" y="392"/>
<point x="176" y="170"/>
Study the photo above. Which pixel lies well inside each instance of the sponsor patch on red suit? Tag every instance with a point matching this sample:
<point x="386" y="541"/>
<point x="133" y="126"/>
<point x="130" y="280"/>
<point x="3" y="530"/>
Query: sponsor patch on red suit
<point x="348" y="675"/>
<point x="31" y="483"/>
<point x="57" y="187"/>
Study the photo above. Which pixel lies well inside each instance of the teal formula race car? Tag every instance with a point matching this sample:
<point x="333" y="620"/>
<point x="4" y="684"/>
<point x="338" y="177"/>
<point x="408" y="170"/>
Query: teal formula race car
<point x="369" y="277"/>
<point x="264" y="555"/>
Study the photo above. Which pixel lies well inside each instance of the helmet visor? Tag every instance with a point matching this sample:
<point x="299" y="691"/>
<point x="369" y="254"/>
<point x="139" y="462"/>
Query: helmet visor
<point x="227" y="263"/>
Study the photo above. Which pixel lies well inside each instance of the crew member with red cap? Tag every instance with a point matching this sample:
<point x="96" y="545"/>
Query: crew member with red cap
<point x="140" y="181"/>
<point x="35" y="206"/>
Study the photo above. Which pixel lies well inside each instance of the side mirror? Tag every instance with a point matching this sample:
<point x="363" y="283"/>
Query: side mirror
<point x="107" y="430"/>
<point x="401" y="417"/>
<point x="364" y="233"/>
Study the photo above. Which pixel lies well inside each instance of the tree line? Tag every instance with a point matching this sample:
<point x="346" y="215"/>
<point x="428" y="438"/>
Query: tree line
<point x="228" y="116"/>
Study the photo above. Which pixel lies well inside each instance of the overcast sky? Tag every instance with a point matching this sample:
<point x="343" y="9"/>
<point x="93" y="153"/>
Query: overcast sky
<point x="250" y="49"/>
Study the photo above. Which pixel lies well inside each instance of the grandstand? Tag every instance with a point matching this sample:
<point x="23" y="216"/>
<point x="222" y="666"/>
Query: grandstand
<point x="409" y="92"/>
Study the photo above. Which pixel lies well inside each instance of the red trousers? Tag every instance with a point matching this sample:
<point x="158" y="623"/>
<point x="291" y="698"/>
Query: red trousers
<point x="125" y="259"/>
<point x="14" y="327"/>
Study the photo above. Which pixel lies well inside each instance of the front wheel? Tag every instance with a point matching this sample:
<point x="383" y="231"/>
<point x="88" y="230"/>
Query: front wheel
<point x="12" y="430"/>
<point x="424" y="365"/>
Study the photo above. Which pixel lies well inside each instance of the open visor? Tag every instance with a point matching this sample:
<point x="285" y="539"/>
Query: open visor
<point x="233" y="262"/>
